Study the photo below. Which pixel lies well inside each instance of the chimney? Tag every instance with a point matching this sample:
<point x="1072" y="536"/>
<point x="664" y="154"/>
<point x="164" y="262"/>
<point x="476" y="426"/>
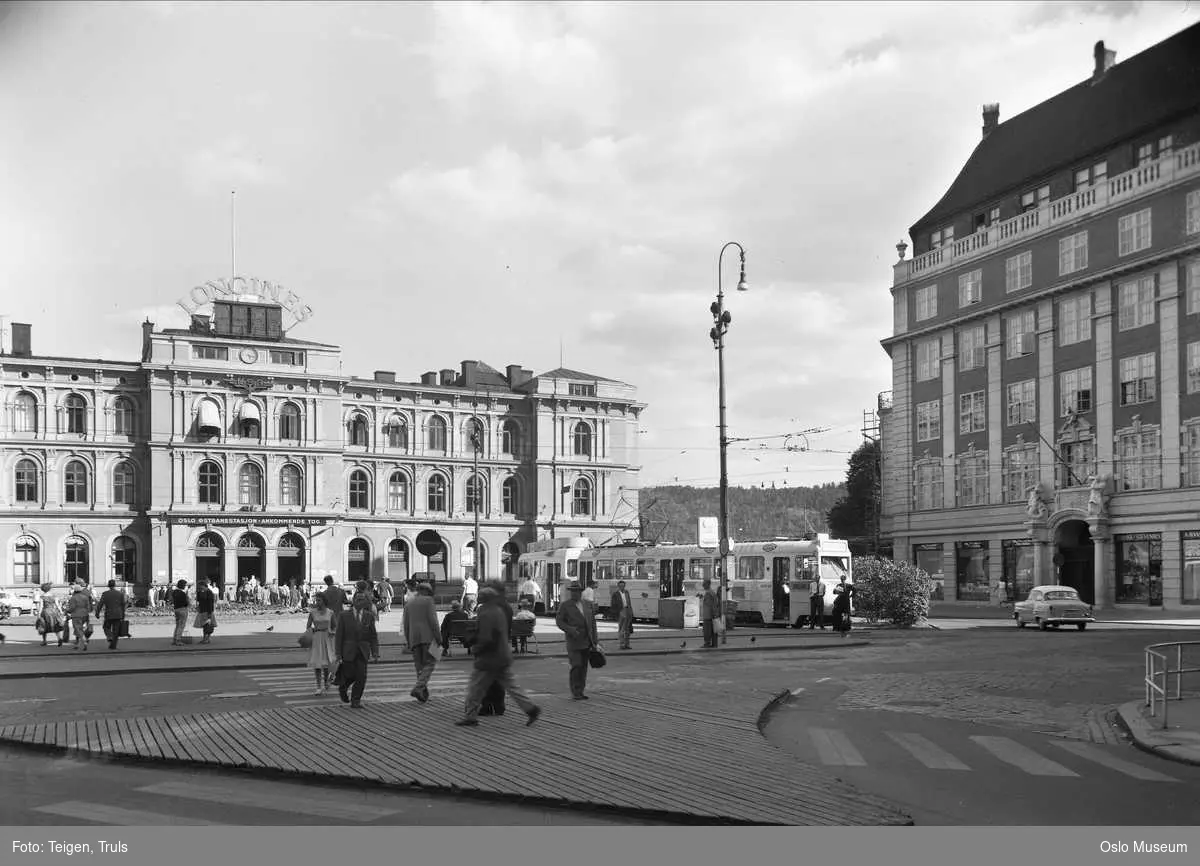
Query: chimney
<point x="448" y="377"/>
<point x="385" y="376"/>
<point x="201" y="324"/>
<point x="21" y="347"/>
<point x="469" y="371"/>
<point x="429" y="378"/>
<point x="1105" y="60"/>
<point x="517" y="375"/>
<point x="991" y="118"/>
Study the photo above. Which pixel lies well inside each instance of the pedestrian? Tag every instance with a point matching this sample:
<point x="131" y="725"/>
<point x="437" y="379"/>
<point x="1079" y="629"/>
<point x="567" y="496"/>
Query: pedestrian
<point x="470" y="594"/>
<point x="50" y="618"/>
<point x="525" y="612"/>
<point x="589" y="594"/>
<point x="111" y="610"/>
<point x="710" y="609"/>
<point x="294" y="595"/>
<point x="206" y="618"/>
<point x="335" y="596"/>
<point x="493" y="662"/>
<point x="420" y="632"/>
<point x="455" y="614"/>
<point x="322" y="651"/>
<point x="621" y="606"/>
<point x="816" y="603"/>
<point x="79" y="609"/>
<point x="384" y="588"/>
<point x="842" y="594"/>
<point x="579" y="625"/>
<point x="357" y="642"/>
<point x="530" y="591"/>
<point x="179" y="601"/>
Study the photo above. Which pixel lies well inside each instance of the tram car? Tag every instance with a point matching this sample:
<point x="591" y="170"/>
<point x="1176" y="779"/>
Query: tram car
<point x="553" y="563"/>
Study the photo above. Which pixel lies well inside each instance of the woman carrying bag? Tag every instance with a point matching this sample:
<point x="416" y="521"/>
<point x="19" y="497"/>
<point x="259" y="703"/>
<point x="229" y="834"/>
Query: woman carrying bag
<point x="50" y="618"/>
<point x="318" y="635"/>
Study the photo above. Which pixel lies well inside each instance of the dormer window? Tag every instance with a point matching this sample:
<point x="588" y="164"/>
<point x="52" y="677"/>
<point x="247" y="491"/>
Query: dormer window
<point x="943" y="236"/>
<point x="1034" y="199"/>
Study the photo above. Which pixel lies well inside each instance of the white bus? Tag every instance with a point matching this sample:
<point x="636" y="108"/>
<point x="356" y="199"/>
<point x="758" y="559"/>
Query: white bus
<point x="552" y="564"/>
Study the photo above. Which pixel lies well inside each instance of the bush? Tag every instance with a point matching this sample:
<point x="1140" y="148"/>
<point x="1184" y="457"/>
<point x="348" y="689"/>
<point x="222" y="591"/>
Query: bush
<point x="896" y="592"/>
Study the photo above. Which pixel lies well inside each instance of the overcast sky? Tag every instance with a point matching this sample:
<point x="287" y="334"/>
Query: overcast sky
<point x="494" y="181"/>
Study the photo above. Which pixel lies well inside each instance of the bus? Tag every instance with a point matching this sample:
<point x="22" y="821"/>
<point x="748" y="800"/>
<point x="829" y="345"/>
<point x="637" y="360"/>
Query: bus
<point x="768" y="582"/>
<point x="552" y="563"/>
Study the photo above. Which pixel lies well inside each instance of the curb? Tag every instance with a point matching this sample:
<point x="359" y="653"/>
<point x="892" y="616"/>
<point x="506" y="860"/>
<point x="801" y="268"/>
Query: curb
<point x="764" y="715"/>
<point x="1143" y="736"/>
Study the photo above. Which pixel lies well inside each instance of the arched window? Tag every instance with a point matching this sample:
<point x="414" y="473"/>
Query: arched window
<point x="360" y="490"/>
<point x="476" y="495"/>
<point x="124" y="489"/>
<point x="397" y="433"/>
<point x="510" y="437"/>
<point x="290" y="486"/>
<point x="250" y="484"/>
<point x="25" y="413"/>
<point x="583" y="439"/>
<point x="76" y="408"/>
<point x="398" y="492"/>
<point x="75" y="483"/>
<point x="210" y="487"/>
<point x="76" y="563"/>
<point x="27" y="561"/>
<point x="509" y="492"/>
<point x="289" y="422"/>
<point x="26" y="477"/>
<point x="249" y="424"/>
<point x="437" y="493"/>
<point x="359" y="432"/>
<point x="581" y="498"/>
<point x="124" y="558"/>
<point x="208" y="419"/>
<point x="123" y="417"/>
<point x="473" y="438"/>
<point x="435" y="434"/>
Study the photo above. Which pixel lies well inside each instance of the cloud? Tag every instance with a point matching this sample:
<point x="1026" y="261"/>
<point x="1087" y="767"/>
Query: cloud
<point x="228" y="164"/>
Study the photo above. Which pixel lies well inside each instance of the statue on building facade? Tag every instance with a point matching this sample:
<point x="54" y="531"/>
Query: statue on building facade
<point x="1036" y="507"/>
<point x="1098" y="498"/>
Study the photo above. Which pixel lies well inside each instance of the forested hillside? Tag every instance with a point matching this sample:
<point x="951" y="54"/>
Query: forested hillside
<point x="755" y="513"/>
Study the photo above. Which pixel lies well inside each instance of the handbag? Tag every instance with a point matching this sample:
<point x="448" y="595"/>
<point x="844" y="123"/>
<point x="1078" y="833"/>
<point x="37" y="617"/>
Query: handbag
<point x="40" y="625"/>
<point x="596" y="657"/>
<point x="719" y="625"/>
<point x="306" y="639"/>
<point x="87" y="630"/>
<point x="123" y="631"/>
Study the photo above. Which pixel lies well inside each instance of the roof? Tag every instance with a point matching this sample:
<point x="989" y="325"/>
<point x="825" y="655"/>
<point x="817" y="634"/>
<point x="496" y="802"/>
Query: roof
<point x="489" y="377"/>
<point x="564" y="373"/>
<point x="1134" y="96"/>
<point x="290" y="341"/>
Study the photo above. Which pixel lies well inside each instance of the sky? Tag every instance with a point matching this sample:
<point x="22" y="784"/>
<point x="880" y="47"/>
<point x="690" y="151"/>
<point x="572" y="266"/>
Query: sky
<point x="524" y="183"/>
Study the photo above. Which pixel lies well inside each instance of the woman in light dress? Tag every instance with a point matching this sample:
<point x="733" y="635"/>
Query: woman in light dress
<point x="321" y="654"/>
<point x="50" y="618"/>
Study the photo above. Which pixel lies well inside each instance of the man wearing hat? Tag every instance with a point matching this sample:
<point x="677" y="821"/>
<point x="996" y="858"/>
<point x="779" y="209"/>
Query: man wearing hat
<point x="579" y="625"/>
<point x="493" y="662"/>
<point x="358" y="642"/>
<point x="455" y="614"/>
<point x="420" y="631"/>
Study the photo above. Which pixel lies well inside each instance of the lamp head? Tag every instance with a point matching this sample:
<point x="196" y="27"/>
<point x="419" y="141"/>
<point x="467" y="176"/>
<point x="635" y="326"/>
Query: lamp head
<point x="742" y="285"/>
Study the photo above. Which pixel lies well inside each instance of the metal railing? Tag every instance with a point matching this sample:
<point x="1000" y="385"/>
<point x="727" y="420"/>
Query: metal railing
<point x="1159" y="673"/>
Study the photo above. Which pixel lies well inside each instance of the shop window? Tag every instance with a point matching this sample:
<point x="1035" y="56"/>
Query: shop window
<point x="1191" y="566"/>
<point x="1018" y="568"/>
<point x="928" y="558"/>
<point x="1139" y="568"/>
<point x="971" y="578"/>
<point x="27" y="561"/>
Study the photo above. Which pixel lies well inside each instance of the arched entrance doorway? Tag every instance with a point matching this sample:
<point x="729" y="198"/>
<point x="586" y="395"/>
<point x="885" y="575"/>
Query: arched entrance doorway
<point x="397" y="561"/>
<point x="1075" y="558"/>
<point x="251" y="559"/>
<point x="290" y="555"/>
<point x="509" y="555"/>
<point x="358" y="560"/>
<point x="210" y="562"/>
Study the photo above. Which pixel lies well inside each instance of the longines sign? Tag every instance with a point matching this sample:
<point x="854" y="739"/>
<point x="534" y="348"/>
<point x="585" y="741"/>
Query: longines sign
<point x="237" y="287"/>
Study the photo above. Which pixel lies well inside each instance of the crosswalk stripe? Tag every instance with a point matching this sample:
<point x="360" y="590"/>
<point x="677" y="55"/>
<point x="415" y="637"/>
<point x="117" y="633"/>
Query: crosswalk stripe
<point x="101" y="813"/>
<point x="1097" y="754"/>
<point x="834" y="749"/>
<point x="1019" y="756"/>
<point x="932" y="756"/>
<point x="281" y="801"/>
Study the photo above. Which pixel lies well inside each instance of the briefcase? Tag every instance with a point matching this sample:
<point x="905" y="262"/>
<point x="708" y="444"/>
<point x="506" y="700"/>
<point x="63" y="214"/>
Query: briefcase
<point x="124" y="628"/>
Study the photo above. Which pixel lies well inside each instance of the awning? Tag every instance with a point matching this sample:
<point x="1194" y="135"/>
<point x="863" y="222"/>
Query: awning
<point x="209" y="419"/>
<point x="249" y="412"/>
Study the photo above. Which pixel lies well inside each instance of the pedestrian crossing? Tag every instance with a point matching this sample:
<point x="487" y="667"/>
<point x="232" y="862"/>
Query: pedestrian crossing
<point x="833" y="747"/>
<point x="385" y="685"/>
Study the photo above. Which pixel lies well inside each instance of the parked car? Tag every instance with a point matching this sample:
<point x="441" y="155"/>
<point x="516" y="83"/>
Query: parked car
<point x="1053" y="606"/>
<point x="17" y="604"/>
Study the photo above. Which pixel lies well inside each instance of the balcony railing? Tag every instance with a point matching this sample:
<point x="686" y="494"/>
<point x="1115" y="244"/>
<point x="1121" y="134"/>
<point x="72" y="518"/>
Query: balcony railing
<point x="1116" y="190"/>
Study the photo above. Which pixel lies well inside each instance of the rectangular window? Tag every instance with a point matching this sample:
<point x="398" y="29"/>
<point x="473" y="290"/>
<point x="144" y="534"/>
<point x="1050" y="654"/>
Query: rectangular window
<point x="972" y="412"/>
<point x="1075" y="319"/>
<point x="1193" y="368"/>
<point x="973" y="479"/>
<point x="1133" y="232"/>
<point x="1135" y="304"/>
<point x="1075" y="391"/>
<point x="926" y="303"/>
<point x="1072" y="253"/>
<point x="1020" y="471"/>
<point x="1018" y="568"/>
<point x="928" y="558"/>
<point x="1193" y="286"/>
<point x="1018" y="272"/>
<point x="1021" y="336"/>
<point x="1077" y="463"/>
<point x="1140" y="457"/>
<point x="971" y="347"/>
<point x="1021" y="402"/>
<point x="1193" y="212"/>
<point x="1190" y="542"/>
<point x="929" y="493"/>
<point x="1145" y="153"/>
<point x="929" y="359"/>
<point x="972" y="573"/>
<point x="941" y="237"/>
<point x="281" y="356"/>
<point x="1138" y="379"/>
<point x="970" y="288"/>
<point x="578" y="390"/>
<point x="994" y="216"/>
<point x="1139" y="568"/>
<point x="210" y="353"/>
<point x="1165" y="146"/>
<point x="1191" y="454"/>
<point x="929" y="421"/>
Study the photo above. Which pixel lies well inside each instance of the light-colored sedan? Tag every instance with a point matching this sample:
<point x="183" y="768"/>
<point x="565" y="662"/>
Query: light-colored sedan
<point x="1053" y="606"/>
<point x="18" y="605"/>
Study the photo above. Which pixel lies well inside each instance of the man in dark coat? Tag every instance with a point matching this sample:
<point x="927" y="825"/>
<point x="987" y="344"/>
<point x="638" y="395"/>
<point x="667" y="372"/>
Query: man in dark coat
<point x="455" y="614"/>
<point x="110" y="610"/>
<point x="358" y="643"/>
<point x="493" y="662"/>
<point x="335" y="596"/>
<point x="578" y="623"/>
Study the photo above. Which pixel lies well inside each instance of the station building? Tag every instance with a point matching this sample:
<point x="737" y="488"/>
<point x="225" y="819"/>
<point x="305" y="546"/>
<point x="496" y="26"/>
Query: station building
<point x="1044" y="420"/>
<point x="230" y="449"/>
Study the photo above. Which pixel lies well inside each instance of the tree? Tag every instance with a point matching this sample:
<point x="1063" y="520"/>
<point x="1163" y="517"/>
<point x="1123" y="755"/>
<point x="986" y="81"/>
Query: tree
<point x="851" y="517"/>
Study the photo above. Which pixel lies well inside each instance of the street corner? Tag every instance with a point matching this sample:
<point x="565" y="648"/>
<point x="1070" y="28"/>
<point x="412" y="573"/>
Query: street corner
<point x="1177" y="742"/>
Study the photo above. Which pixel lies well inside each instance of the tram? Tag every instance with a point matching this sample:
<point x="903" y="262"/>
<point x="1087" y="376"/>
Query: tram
<point x="552" y="563"/>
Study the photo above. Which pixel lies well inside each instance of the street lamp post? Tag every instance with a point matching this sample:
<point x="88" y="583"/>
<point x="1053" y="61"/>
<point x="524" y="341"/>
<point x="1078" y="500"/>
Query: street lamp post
<point x="721" y="320"/>
<point x="476" y="445"/>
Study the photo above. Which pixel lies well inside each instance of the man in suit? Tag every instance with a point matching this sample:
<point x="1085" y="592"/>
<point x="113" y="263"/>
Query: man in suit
<point x="110" y="609"/>
<point x="622" y="608"/>
<point x="335" y="596"/>
<point x="577" y="622"/>
<point x="421" y="630"/>
<point x="493" y="662"/>
<point x="357" y="642"/>
<point x="710" y="609"/>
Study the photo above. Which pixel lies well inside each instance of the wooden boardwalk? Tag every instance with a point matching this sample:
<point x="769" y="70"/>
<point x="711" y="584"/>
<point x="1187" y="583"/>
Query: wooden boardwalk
<point x="705" y="763"/>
